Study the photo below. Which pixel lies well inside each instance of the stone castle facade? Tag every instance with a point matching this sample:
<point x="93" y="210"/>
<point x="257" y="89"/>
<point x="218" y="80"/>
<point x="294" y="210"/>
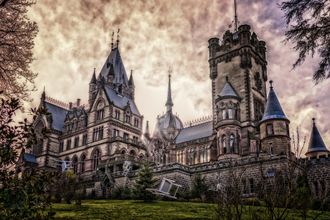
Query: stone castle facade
<point x="248" y="127"/>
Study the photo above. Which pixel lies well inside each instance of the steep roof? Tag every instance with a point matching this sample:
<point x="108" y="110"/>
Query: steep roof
<point x="119" y="100"/>
<point x="114" y="65"/>
<point x="273" y="107"/>
<point x="195" y="132"/>
<point x="316" y="143"/>
<point x="58" y="115"/>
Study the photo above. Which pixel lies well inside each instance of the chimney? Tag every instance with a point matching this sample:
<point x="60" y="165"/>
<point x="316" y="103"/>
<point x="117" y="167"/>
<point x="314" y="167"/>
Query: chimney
<point x="78" y="102"/>
<point x="70" y="105"/>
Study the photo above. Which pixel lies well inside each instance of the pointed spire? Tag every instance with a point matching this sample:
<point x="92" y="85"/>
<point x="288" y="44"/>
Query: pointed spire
<point x="131" y="81"/>
<point x="43" y="94"/>
<point x="93" y="79"/>
<point x="113" y="33"/>
<point x="316" y="143"/>
<point x="169" y="102"/>
<point x="273" y="107"/>
<point x="235" y="18"/>
<point x="147" y="131"/>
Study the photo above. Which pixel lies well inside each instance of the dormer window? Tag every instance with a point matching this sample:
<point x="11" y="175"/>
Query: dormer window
<point x="128" y="118"/>
<point x="117" y="114"/>
<point x="136" y="122"/>
<point x="99" y="111"/>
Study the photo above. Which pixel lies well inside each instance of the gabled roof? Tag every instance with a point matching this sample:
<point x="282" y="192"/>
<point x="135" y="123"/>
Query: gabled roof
<point x="114" y="65"/>
<point x="119" y="100"/>
<point x="316" y="143"/>
<point x="58" y="115"/>
<point x="228" y="91"/>
<point x="195" y="132"/>
<point x="273" y="107"/>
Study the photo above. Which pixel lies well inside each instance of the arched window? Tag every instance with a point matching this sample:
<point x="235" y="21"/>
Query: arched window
<point x="96" y="159"/>
<point x="75" y="164"/>
<point x="232" y="143"/>
<point x="99" y="111"/>
<point x="224" y="144"/>
<point x="224" y="114"/>
<point x="82" y="163"/>
<point x="231" y="113"/>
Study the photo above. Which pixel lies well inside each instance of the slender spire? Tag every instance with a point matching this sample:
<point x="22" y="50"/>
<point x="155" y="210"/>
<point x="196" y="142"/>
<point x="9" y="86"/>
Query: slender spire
<point x="235" y="18"/>
<point x="43" y="94"/>
<point x="131" y="81"/>
<point x="169" y="102"/>
<point x="147" y="132"/>
<point x="93" y="80"/>
<point x="113" y="33"/>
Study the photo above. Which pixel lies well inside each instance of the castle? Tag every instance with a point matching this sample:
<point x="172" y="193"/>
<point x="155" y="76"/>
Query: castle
<point x="247" y="126"/>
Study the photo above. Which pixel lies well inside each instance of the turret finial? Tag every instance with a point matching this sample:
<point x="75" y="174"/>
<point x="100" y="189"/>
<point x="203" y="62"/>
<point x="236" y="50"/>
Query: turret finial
<point x="227" y="79"/>
<point x="113" y="33"/>
<point x="313" y="121"/>
<point x="118" y="37"/>
<point x="271" y="84"/>
<point x="235" y="18"/>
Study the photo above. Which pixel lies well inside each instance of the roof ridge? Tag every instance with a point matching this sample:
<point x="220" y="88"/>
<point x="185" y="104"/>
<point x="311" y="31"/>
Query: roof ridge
<point x="198" y="121"/>
<point x="56" y="102"/>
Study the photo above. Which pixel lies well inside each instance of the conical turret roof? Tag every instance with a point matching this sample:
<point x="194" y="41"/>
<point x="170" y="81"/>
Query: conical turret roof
<point x="228" y="91"/>
<point x="316" y="143"/>
<point x="273" y="107"/>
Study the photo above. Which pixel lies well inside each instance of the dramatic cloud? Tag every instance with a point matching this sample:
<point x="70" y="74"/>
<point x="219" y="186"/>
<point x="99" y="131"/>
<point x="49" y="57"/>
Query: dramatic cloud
<point x="75" y="37"/>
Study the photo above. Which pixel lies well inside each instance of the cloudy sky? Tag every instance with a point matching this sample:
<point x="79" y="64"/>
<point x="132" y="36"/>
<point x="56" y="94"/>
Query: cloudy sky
<point x="74" y="38"/>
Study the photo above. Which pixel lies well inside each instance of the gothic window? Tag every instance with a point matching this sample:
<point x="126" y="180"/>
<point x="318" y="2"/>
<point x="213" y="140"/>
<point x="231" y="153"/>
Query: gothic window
<point x="82" y="163"/>
<point x="100" y="110"/>
<point x="75" y="164"/>
<point x="135" y="139"/>
<point x="115" y="132"/>
<point x="201" y="155"/>
<point x="258" y="81"/>
<point x="128" y="118"/>
<point x="125" y="136"/>
<point x="117" y="114"/>
<point x="61" y="147"/>
<point x="231" y="113"/>
<point x="136" y="122"/>
<point x="98" y="133"/>
<point x="244" y="186"/>
<point x="224" y="114"/>
<point x="76" y="141"/>
<point x="96" y="159"/>
<point x="68" y="144"/>
<point x="84" y="141"/>
<point x="270" y="129"/>
<point x="232" y="143"/>
<point x="224" y="144"/>
<point x="271" y="149"/>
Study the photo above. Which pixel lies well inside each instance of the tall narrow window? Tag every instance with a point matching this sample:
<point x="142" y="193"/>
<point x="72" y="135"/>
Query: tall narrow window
<point x="84" y="139"/>
<point x="232" y="143"/>
<point x="224" y="144"/>
<point x="75" y="164"/>
<point x="82" y="163"/>
<point x="61" y="147"/>
<point x="96" y="159"/>
<point x="128" y="118"/>
<point x="115" y="132"/>
<point x="76" y="141"/>
<point x="251" y="185"/>
<point x="271" y="149"/>
<point x="68" y="144"/>
<point x="270" y="129"/>
<point x="125" y="137"/>
<point x="117" y="114"/>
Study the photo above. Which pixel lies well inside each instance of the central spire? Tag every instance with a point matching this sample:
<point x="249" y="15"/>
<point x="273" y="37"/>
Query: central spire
<point x="169" y="102"/>
<point x="235" y="18"/>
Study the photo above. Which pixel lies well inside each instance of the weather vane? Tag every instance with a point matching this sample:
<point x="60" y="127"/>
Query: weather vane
<point x="236" y="22"/>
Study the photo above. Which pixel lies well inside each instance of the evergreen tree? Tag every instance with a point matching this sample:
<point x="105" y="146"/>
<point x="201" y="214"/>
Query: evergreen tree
<point x="144" y="180"/>
<point x="309" y="30"/>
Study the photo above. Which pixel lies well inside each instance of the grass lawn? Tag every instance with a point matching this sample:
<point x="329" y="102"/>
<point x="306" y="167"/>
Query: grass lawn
<point x="129" y="209"/>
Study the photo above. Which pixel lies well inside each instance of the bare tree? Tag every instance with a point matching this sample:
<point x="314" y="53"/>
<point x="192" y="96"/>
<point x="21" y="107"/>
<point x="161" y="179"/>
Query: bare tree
<point x="298" y="144"/>
<point x="309" y="30"/>
<point x="16" y="43"/>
